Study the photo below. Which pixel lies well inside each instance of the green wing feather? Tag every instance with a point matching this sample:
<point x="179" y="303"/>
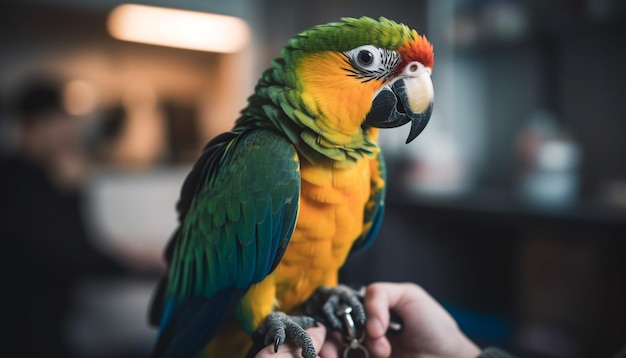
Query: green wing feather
<point x="233" y="234"/>
<point x="246" y="210"/>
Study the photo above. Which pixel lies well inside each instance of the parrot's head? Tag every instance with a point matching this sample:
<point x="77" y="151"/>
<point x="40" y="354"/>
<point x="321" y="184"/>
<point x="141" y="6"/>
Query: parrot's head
<point x="365" y="71"/>
<point x="338" y="80"/>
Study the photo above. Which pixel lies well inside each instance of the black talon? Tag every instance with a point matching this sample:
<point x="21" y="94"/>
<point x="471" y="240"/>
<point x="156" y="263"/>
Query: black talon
<point x="276" y="344"/>
<point x="279" y="327"/>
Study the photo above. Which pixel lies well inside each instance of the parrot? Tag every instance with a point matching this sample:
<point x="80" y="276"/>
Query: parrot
<point x="271" y="210"/>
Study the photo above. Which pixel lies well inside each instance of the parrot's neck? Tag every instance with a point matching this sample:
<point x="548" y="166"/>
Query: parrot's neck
<point x="312" y="145"/>
<point x="276" y="105"/>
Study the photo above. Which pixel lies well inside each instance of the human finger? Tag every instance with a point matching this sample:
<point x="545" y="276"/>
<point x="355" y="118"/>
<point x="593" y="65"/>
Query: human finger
<point x="378" y="347"/>
<point x="332" y="346"/>
<point x="380" y="298"/>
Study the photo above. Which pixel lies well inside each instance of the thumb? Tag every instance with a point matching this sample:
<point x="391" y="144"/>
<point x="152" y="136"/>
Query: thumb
<point x="377" y="304"/>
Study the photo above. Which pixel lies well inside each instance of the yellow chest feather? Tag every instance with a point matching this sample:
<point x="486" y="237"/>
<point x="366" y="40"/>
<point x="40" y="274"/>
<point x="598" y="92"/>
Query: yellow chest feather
<point x="332" y="202"/>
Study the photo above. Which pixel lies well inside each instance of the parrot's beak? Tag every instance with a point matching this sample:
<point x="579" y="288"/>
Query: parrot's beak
<point x="406" y="99"/>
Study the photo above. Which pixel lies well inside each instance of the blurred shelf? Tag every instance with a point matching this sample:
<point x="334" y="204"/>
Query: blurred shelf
<point x="537" y="24"/>
<point x="500" y="208"/>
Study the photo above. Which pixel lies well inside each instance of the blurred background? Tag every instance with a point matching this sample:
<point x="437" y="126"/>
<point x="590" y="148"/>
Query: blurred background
<point x="510" y="208"/>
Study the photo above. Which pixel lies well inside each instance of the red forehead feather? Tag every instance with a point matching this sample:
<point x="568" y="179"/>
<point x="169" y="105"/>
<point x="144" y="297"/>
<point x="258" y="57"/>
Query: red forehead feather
<point x="418" y="49"/>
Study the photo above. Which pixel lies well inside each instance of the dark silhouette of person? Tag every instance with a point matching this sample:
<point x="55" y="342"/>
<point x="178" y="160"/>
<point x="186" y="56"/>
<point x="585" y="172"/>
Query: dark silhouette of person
<point x="44" y="241"/>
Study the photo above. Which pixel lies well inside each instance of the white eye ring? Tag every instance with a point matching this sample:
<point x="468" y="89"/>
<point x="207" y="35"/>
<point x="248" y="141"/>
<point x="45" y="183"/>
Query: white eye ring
<point x="366" y="57"/>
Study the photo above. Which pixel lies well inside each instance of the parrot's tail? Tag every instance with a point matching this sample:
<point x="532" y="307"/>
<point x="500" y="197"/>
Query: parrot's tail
<point x="156" y="306"/>
<point x="195" y="323"/>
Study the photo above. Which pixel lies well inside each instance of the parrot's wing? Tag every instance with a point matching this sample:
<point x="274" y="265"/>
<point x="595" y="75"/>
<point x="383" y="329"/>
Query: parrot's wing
<point x="203" y="168"/>
<point x="375" y="207"/>
<point x="234" y="233"/>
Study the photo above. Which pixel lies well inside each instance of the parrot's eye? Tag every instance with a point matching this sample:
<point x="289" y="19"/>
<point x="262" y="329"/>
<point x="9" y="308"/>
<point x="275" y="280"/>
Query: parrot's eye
<point x="366" y="57"/>
<point x="371" y="62"/>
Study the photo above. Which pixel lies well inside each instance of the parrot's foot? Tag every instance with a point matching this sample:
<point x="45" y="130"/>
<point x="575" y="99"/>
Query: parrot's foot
<point x="331" y="302"/>
<point x="278" y="327"/>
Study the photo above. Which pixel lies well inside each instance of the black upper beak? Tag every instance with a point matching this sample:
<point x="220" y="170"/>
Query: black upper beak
<point x="406" y="99"/>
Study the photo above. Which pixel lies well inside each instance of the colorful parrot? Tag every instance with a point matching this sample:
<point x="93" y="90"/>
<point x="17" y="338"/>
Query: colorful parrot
<point x="272" y="209"/>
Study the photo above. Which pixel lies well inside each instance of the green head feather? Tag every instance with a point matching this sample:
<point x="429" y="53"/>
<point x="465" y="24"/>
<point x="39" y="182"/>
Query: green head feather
<point x="350" y="33"/>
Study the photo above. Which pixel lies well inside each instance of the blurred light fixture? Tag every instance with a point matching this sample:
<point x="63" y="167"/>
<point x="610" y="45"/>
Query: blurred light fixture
<point x="178" y="28"/>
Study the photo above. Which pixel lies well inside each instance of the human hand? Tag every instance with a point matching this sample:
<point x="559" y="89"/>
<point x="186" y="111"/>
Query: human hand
<point x="428" y="329"/>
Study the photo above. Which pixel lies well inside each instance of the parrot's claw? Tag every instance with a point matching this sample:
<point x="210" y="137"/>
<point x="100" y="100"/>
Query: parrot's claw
<point x="278" y="327"/>
<point x="331" y="300"/>
<point x="277" y="343"/>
